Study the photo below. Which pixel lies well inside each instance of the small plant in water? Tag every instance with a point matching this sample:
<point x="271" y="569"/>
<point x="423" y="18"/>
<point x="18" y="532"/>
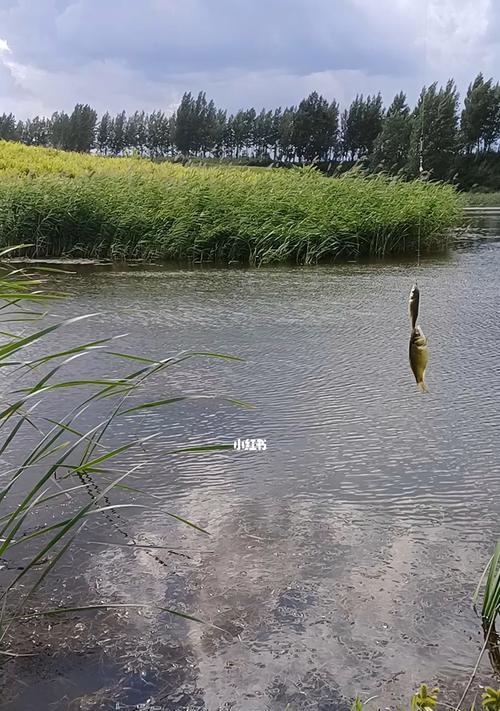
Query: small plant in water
<point x="491" y="699"/>
<point x="491" y="599"/>
<point x="424" y="699"/>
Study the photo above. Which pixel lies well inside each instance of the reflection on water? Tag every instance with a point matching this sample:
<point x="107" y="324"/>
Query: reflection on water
<point x="342" y="559"/>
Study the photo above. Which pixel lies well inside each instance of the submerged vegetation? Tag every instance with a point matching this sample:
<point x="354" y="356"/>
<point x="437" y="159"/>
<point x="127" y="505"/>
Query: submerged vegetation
<point x="68" y="204"/>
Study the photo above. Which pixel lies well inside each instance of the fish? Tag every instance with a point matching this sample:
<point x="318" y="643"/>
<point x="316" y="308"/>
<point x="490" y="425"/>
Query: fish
<point x="419" y="357"/>
<point x="413" y="305"/>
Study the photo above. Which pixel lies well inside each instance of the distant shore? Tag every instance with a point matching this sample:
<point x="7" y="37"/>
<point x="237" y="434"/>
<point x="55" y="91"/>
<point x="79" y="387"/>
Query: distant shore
<point x="483" y="199"/>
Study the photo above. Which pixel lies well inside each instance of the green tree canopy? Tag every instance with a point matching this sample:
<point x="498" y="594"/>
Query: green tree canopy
<point x="8" y="127"/>
<point x="361" y="125"/>
<point x="159" y="134"/>
<point x="392" y="145"/>
<point x="434" y="135"/>
<point x="480" y="120"/>
<point x="315" y="128"/>
<point x="104" y="133"/>
<point x="81" y="128"/>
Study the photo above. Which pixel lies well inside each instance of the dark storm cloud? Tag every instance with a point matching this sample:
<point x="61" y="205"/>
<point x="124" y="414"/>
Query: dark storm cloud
<point x="127" y="54"/>
<point x="293" y="36"/>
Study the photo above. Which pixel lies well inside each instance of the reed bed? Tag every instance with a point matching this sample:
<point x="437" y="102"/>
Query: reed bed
<point x="68" y="204"/>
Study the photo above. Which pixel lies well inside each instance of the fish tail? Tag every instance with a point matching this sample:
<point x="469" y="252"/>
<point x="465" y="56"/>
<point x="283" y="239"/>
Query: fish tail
<point x="423" y="387"/>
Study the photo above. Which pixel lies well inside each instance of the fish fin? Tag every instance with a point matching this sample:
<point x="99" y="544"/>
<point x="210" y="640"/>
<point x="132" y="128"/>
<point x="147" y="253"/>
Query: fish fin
<point x="423" y="387"/>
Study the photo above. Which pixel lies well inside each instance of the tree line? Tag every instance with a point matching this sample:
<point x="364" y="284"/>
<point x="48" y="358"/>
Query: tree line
<point x="434" y="137"/>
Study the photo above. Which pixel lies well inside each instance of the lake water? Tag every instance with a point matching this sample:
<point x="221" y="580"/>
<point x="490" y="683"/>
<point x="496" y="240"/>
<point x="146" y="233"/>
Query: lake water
<point x="342" y="559"/>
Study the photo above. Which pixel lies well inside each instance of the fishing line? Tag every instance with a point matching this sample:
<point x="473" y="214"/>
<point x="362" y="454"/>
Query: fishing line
<point x="418" y="350"/>
<point x="422" y="125"/>
<point x="476" y="666"/>
<point x="91" y="487"/>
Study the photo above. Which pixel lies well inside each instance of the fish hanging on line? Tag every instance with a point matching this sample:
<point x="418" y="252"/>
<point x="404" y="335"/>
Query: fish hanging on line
<point x="419" y="352"/>
<point x="419" y="357"/>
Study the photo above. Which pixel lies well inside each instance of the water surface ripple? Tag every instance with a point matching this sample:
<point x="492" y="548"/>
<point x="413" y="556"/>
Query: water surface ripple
<point x="342" y="559"/>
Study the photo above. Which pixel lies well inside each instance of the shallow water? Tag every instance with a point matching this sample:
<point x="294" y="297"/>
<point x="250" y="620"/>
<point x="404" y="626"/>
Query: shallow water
<point x="343" y="558"/>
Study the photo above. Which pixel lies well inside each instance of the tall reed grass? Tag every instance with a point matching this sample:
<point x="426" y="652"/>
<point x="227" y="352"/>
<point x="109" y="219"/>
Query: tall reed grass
<point x="121" y="208"/>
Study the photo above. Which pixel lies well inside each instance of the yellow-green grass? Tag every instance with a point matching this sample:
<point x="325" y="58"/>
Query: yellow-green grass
<point x="69" y="204"/>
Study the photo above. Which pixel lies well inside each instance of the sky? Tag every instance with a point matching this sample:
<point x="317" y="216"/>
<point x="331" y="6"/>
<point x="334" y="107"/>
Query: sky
<point x="124" y="54"/>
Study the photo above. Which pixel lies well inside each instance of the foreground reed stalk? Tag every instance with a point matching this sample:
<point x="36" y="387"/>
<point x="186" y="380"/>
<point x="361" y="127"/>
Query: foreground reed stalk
<point x="490" y="610"/>
<point x="61" y="482"/>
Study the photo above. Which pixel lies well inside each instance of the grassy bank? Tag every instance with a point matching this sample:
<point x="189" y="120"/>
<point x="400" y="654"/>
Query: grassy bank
<point x="483" y="199"/>
<point x="82" y="205"/>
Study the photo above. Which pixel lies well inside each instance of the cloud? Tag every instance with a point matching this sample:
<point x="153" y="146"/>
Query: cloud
<point x="171" y="36"/>
<point x="119" y="54"/>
